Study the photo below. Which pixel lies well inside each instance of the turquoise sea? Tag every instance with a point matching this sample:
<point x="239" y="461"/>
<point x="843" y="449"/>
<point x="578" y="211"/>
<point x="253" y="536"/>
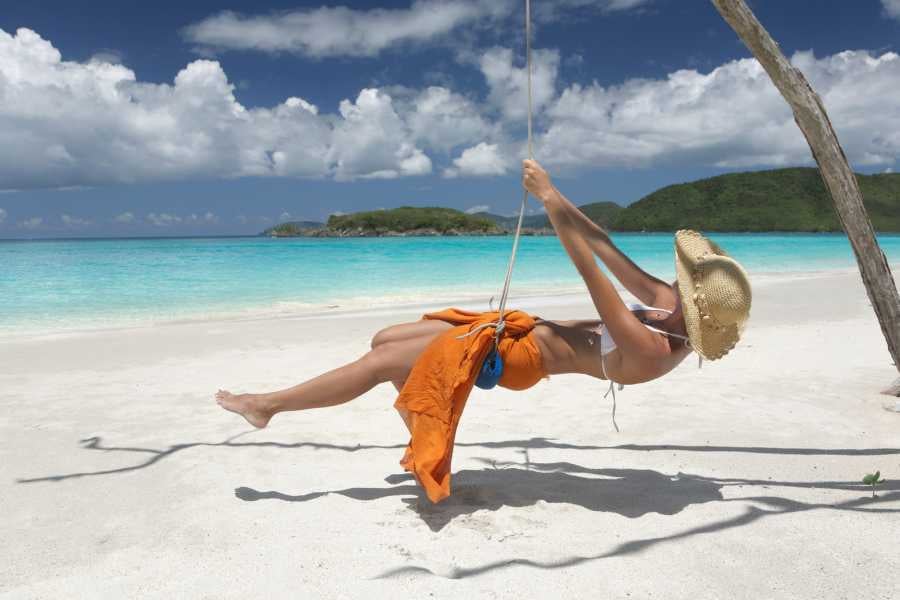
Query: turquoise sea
<point x="59" y="285"/>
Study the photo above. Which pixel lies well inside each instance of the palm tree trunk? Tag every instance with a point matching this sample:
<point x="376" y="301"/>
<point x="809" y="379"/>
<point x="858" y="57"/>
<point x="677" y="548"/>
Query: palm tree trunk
<point x="810" y="115"/>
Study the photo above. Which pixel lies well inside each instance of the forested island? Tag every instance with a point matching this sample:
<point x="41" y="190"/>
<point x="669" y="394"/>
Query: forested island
<point x="789" y="200"/>
<point x="403" y="221"/>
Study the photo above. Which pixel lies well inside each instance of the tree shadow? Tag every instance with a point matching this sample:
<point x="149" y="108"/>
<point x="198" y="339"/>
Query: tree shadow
<point x="674" y="495"/>
<point x="628" y="492"/>
<point x="771" y="506"/>
<point x="631" y="493"/>
<point x="154" y="455"/>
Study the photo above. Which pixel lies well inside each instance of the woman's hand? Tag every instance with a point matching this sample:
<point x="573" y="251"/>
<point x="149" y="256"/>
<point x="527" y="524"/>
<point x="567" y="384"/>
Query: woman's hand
<point x="536" y="180"/>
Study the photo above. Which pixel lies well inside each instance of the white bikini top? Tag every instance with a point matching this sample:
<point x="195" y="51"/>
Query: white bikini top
<point x="608" y="344"/>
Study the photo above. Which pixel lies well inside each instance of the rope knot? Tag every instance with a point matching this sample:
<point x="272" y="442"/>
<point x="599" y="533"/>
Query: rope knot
<point x="501" y="327"/>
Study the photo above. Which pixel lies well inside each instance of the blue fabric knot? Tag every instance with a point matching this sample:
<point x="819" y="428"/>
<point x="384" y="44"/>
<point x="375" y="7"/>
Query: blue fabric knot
<point x="491" y="370"/>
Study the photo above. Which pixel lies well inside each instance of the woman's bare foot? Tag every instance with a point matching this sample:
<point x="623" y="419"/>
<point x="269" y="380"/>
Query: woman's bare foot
<point x="246" y="405"/>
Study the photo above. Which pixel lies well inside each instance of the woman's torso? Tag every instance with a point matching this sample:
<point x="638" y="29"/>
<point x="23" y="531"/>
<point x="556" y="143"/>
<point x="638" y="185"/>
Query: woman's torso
<point x="569" y="346"/>
<point x="575" y="347"/>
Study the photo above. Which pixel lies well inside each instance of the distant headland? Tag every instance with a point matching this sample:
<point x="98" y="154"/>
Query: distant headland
<point x="788" y="200"/>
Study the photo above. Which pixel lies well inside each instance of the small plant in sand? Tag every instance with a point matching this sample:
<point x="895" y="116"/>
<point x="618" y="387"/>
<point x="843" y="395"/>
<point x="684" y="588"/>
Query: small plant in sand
<point x="873" y="479"/>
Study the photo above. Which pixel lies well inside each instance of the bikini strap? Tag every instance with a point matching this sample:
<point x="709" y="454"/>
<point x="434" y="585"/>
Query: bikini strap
<point x="687" y="342"/>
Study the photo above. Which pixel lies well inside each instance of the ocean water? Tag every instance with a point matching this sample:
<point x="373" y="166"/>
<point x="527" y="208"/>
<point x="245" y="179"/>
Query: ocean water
<point x="61" y="285"/>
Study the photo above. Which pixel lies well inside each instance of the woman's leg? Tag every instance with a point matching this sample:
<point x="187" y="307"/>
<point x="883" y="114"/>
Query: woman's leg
<point x="387" y="361"/>
<point x="406" y="331"/>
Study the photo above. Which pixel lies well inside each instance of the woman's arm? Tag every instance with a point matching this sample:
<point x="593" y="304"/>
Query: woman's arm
<point x="644" y="286"/>
<point x="629" y="333"/>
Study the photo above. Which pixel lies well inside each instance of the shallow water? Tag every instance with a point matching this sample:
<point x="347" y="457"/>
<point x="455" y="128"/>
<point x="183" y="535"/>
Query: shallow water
<point x="75" y="284"/>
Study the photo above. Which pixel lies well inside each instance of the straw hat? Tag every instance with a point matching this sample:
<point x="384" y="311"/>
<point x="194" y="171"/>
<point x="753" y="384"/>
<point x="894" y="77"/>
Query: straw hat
<point x="715" y="294"/>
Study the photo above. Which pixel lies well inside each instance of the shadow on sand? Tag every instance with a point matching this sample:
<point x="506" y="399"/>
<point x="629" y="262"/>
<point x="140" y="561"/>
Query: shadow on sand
<point x="631" y="493"/>
<point x="627" y="492"/>
<point x="759" y="507"/>
<point x="156" y="455"/>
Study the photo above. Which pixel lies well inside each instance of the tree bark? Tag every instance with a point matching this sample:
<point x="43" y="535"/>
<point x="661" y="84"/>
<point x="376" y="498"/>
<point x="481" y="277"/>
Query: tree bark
<point x="894" y="390"/>
<point x="810" y="116"/>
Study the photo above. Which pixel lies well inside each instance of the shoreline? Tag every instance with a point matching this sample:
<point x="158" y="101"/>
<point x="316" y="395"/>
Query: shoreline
<point x="260" y="236"/>
<point x="385" y="307"/>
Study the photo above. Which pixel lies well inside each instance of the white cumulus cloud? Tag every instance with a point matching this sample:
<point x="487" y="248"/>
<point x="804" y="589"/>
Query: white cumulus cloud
<point x="891" y="8"/>
<point x="163" y="219"/>
<point x="67" y="124"/>
<point x="508" y="83"/>
<point x="440" y="119"/>
<point x="338" y="30"/>
<point x="371" y="141"/>
<point x="125" y="217"/>
<point x="731" y="117"/>
<point x="559" y="9"/>
<point x="478" y="208"/>
<point x="2" y="215"/>
<point x="328" y="31"/>
<point x="480" y="160"/>
<point x="70" y="221"/>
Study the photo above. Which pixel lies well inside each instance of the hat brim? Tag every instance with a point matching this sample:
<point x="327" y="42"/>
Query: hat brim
<point x="708" y="340"/>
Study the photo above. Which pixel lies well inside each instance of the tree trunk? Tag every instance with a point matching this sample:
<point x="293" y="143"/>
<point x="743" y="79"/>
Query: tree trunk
<point x="810" y="115"/>
<point x="894" y="390"/>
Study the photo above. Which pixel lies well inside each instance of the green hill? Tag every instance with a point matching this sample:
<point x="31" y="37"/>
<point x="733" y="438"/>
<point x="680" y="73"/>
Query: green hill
<point x="779" y="200"/>
<point x="509" y="223"/>
<point x="602" y="213"/>
<point x="408" y="219"/>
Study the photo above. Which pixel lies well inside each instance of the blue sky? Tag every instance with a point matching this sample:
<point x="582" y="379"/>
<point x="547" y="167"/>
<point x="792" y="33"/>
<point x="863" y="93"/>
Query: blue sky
<point x="223" y="118"/>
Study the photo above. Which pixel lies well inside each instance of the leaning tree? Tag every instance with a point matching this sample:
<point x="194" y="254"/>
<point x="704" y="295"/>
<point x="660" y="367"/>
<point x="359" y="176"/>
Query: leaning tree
<point x="810" y="115"/>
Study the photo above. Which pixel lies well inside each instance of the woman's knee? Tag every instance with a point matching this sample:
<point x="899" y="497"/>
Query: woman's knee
<point x="383" y="361"/>
<point x="382" y="337"/>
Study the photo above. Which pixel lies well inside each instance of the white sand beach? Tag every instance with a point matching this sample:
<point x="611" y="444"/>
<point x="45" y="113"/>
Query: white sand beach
<point x="120" y="477"/>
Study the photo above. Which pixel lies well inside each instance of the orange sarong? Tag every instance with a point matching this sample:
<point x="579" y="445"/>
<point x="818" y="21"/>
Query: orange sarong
<point x="441" y="379"/>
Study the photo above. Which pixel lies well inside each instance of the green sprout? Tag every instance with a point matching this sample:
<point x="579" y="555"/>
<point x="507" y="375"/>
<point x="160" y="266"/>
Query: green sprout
<point x="873" y="479"/>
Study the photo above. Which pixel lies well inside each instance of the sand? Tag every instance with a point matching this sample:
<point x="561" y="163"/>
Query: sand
<point x="120" y="477"/>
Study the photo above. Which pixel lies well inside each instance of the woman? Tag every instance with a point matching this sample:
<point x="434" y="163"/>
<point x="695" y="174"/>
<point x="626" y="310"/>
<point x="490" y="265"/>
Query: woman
<point x="704" y="310"/>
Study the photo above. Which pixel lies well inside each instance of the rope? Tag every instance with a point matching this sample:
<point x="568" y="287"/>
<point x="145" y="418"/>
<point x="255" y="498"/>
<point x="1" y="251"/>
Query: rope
<point x="528" y="61"/>
<point x="500" y="324"/>
<point x="518" y="234"/>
